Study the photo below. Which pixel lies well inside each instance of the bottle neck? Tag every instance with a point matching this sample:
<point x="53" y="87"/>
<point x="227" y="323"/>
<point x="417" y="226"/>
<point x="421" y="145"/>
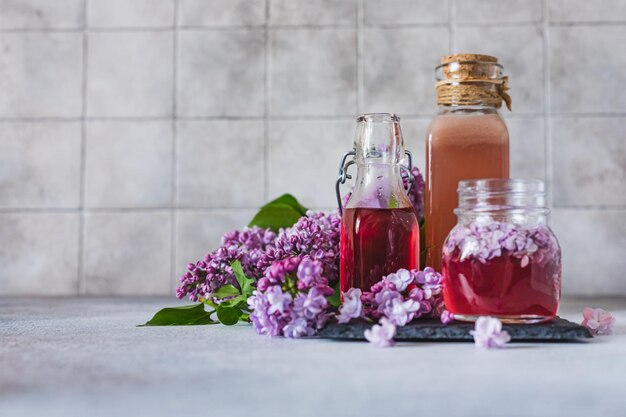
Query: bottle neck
<point x="468" y="109"/>
<point x="379" y="185"/>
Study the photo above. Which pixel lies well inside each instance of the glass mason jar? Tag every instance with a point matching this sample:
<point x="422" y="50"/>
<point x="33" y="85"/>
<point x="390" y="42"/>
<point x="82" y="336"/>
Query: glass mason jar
<point x="468" y="139"/>
<point x="379" y="225"/>
<point x="502" y="259"/>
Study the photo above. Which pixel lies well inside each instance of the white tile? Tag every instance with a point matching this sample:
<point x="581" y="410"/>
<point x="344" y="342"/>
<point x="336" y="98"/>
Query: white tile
<point x="130" y="74"/>
<point x="221" y="73"/>
<point x="593" y="243"/>
<point x="586" y="11"/>
<point x="131" y="13"/>
<point x="399" y="69"/>
<point x="313" y="72"/>
<point x="222" y="13"/>
<point x="589" y="159"/>
<point x="304" y="157"/>
<point x="587" y="68"/>
<point x="127" y="253"/>
<point x="519" y="49"/>
<point x="41" y="74"/>
<point x="527" y="148"/>
<point x="405" y="12"/>
<point x="35" y="14"/>
<point x="39" y="254"/>
<point x="199" y="232"/>
<point x="221" y="163"/>
<point x="498" y="11"/>
<point x="40" y="165"/>
<point x="306" y="12"/>
<point x="128" y="164"/>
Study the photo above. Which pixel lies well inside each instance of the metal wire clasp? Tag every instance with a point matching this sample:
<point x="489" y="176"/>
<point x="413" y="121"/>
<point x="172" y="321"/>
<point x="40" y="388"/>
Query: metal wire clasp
<point x="343" y="174"/>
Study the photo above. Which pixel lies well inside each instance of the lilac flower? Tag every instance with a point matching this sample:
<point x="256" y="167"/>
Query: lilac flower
<point x="401" y="312"/>
<point x="484" y="240"/>
<point x="204" y="277"/>
<point x="401" y="279"/>
<point x="291" y="299"/>
<point x="315" y="235"/>
<point x="298" y="327"/>
<point x="310" y="274"/>
<point x="488" y="333"/>
<point x="416" y="193"/>
<point x="598" y="321"/>
<point x="381" y="335"/>
<point x="276" y="299"/>
<point x="446" y="317"/>
<point x="351" y="307"/>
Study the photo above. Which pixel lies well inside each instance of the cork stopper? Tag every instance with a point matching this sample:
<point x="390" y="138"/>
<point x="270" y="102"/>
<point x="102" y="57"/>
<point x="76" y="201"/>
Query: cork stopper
<point x="470" y="79"/>
<point x="446" y="59"/>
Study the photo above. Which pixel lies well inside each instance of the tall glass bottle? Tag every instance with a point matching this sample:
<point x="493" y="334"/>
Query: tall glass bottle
<point x="468" y="139"/>
<point x="379" y="229"/>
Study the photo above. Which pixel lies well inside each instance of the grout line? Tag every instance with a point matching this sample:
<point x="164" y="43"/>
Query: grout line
<point x="518" y="115"/>
<point x="52" y="210"/>
<point x="121" y="210"/>
<point x="360" y="50"/>
<point x="82" y="281"/>
<point x="452" y="26"/>
<point x="190" y="28"/>
<point x="266" y="105"/>
<point x="547" y="124"/>
<point x="174" y="167"/>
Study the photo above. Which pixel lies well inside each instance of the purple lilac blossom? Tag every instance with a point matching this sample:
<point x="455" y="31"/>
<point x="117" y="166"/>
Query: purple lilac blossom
<point x="352" y="306"/>
<point x="416" y="193"/>
<point x="488" y="240"/>
<point x="206" y="276"/>
<point x="420" y="295"/>
<point x="316" y="235"/>
<point x="446" y="317"/>
<point x="598" y="321"/>
<point x="488" y="333"/>
<point x="381" y="335"/>
<point x="290" y="300"/>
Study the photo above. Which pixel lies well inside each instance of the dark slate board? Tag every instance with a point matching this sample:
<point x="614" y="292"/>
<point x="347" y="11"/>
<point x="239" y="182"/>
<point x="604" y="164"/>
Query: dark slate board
<point x="559" y="330"/>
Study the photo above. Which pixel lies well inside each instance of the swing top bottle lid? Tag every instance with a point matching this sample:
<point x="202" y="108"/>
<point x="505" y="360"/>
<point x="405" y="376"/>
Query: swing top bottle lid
<point x="378" y="117"/>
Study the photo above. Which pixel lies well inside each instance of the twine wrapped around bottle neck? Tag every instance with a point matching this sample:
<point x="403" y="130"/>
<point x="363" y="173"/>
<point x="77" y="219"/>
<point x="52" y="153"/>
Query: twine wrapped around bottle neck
<point x="471" y="79"/>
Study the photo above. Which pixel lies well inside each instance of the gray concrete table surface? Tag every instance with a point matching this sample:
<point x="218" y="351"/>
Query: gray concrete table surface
<point x="85" y="357"/>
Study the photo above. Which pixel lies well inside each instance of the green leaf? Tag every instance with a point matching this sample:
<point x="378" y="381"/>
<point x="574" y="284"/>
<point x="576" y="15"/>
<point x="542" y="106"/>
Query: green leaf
<point x="233" y="302"/>
<point x="279" y="213"/>
<point x="228" y="315"/>
<point x="335" y="299"/>
<point x="244" y="282"/>
<point x="190" y="315"/>
<point x="227" y="290"/>
<point x="291" y="201"/>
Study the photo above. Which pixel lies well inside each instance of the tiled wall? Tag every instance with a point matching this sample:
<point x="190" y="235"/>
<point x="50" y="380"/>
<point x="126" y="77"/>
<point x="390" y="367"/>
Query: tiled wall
<point x="133" y="133"/>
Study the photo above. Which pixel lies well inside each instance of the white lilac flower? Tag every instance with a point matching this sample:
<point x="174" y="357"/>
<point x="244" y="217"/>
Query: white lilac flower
<point x="484" y="240"/>
<point x="488" y="333"/>
<point x="401" y="312"/>
<point x="277" y="299"/>
<point x="598" y="321"/>
<point x="351" y="307"/>
<point x="401" y="279"/>
<point x="381" y="335"/>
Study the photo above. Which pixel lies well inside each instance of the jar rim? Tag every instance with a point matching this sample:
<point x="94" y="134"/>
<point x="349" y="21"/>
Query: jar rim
<point x="500" y="185"/>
